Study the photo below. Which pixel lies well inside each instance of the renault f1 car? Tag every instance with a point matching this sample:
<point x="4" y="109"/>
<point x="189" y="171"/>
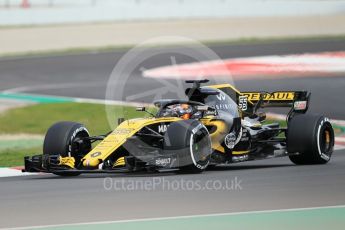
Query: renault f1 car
<point x="217" y="124"/>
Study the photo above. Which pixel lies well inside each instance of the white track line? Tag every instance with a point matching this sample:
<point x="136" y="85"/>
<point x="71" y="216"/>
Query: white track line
<point x="24" y="89"/>
<point x="9" y="172"/>
<point x="83" y="100"/>
<point x="110" y="102"/>
<point x="177" y="217"/>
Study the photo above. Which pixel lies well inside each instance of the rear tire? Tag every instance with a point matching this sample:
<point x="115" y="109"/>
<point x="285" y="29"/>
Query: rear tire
<point x="190" y="140"/>
<point x="60" y="138"/>
<point x="312" y="137"/>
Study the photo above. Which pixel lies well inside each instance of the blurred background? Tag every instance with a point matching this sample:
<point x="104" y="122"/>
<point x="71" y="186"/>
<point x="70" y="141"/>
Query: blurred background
<point x="40" y="12"/>
<point x="58" y="60"/>
<point x="39" y="25"/>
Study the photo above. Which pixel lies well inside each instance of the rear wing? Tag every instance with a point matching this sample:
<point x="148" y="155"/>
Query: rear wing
<point x="250" y="102"/>
<point x="299" y="100"/>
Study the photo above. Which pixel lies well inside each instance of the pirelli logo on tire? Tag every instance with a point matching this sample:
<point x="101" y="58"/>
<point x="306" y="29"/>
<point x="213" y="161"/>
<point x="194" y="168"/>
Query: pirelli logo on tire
<point x="276" y="96"/>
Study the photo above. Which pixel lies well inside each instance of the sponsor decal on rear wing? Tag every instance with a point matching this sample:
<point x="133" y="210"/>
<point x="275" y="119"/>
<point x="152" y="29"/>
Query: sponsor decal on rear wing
<point x="275" y="96"/>
<point x="297" y="100"/>
<point x="249" y="102"/>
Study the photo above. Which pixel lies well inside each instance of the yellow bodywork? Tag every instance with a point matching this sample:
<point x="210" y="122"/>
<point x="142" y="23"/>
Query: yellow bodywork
<point x="128" y="128"/>
<point x="240" y="152"/>
<point x="221" y="129"/>
<point x="218" y="130"/>
<point x="275" y="96"/>
<point x="232" y="88"/>
<point x="119" y="162"/>
<point x="118" y="137"/>
<point x="67" y="161"/>
<point x="255" y="96"/>
<point x="221" y="86"/>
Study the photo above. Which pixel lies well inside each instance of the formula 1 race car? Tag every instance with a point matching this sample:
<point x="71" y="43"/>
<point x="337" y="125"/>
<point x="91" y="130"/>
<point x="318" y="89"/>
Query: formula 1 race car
<point x="217" y="124"/>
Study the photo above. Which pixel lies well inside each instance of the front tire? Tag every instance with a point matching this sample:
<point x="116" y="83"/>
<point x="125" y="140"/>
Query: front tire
<point x="312" y="137"/>
<point x="190" y="140"/>
<point x="60" y="140"/>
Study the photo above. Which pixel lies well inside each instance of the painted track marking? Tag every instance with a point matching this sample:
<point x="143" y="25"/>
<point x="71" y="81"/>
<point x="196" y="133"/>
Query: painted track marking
<point x="248" y="214"/>
<point x="307" y="65"/>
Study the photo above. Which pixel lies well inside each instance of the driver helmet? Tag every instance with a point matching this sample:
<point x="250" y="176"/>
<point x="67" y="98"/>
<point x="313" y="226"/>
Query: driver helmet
<point x="184" y="111"/>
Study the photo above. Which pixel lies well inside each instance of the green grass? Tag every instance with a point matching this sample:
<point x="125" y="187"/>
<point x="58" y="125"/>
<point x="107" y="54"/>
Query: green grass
<point x="37" y="119"/>
<point x="15" y="157"/>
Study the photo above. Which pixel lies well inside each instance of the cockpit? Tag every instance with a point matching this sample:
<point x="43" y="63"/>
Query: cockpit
<point x="181" y="108"/>
<point x="207" y="100"/>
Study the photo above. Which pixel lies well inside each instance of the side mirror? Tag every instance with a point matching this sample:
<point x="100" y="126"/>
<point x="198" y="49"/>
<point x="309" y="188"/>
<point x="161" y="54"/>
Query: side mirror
<point x="120" y="120"/>
<point x="140" y="108"/>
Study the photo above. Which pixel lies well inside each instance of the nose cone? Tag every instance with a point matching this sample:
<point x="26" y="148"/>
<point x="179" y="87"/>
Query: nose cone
<point x="91" y="162"/>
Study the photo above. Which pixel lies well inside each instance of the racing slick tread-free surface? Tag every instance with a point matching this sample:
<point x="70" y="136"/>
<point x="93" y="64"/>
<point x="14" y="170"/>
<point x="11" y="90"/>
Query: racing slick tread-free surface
<point x="302" y="137"/>
<point x="58" y="140"/>
<point x="178" y="140"/>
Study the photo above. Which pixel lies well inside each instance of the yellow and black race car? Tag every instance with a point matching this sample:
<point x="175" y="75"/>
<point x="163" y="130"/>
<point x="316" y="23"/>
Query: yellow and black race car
<point x="216" y="125"/>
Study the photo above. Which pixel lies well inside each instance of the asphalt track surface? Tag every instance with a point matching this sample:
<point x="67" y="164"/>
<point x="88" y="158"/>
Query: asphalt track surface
<point x="263" y="185"/>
